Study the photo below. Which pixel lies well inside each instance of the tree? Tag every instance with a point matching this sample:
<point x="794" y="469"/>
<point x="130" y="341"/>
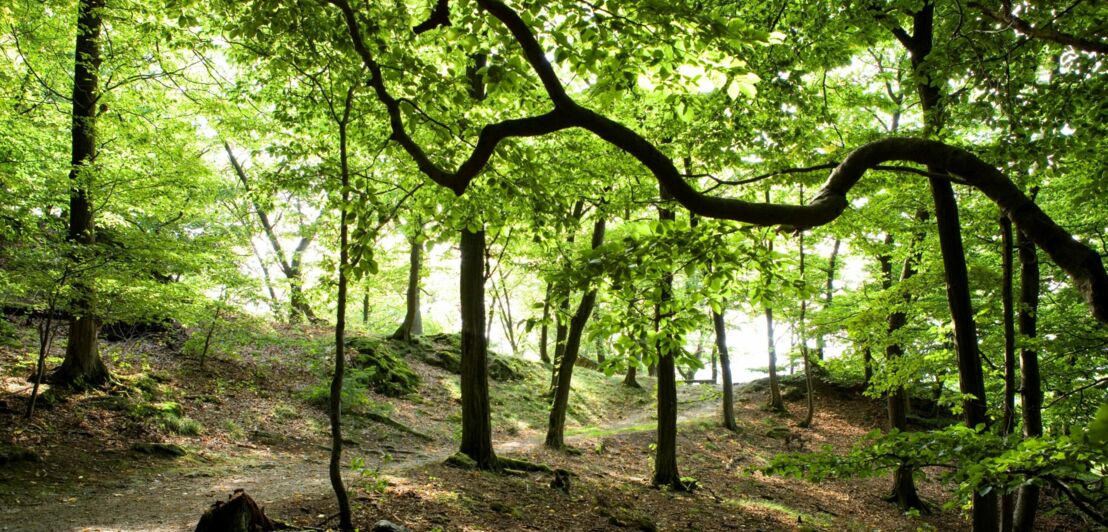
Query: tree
<point x="555" y="433"/>
<point x="83" y="366"/>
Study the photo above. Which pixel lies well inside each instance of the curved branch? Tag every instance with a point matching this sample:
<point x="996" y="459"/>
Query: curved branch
<point x="1081" y="263"/>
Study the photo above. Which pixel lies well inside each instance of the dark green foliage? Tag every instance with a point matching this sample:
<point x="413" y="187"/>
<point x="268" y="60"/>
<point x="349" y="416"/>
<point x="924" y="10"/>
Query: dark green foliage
<point x="385" y="372"/>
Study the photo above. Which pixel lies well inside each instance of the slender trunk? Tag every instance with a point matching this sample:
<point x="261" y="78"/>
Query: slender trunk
<point x="561" y="329"/>
<point x="503" y="300"/>
<point x="365" y="308"/>
<point x="803" y="339"/>
<point x="476" y="422"/>
<point x="335" y="465"/>
<point x="775" y="402"/>
<point x="715" y="365"/>
<point x="555" y="433"/>
<point x="45" y="338"/>
<point x="1031" y="394"/>
<point x="1008" y="418"/>
<point x="82" y="366"/>
<point x="266" y="279"/>
<point x="544" y="353"/>
<point x="725" y="365"/>
<point x="828" y="294"/>
<point x="665" y="457"/>
<point x="298" y="304"/>
<point x="412" y="325"/>
<point x="904" y="487"/>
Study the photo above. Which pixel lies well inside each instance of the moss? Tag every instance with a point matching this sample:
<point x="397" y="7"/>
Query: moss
<point x="384" y="370"/>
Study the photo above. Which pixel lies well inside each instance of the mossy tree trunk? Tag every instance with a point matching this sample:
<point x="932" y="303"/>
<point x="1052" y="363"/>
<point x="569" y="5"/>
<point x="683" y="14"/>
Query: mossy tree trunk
<point x="476" y="421"/>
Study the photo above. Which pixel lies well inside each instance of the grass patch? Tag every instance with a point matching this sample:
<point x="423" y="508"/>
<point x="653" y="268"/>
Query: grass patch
<point x="794" y="515"/>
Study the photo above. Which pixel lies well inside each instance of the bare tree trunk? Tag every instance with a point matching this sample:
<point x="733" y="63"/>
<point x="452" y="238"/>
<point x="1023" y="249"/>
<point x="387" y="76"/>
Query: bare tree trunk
<point x="335" y="465"/>
<point x="775" y="402"/>
<point x="807" y="422"/>
<point x="665" y="457"/>
<point x="725" y="365"/>
<point x="555" y="433"/>
<point x="1031" y="394"/>
<point x="412" y="325"/>
<point x="544" y="353"/>
<point x="290" y="266"/>
<point x="1008" y="418"/>
<point x="904" y="491"/>
<point x="476" y="422"/>
<point x="82" y="366"/>
<point x="829" y="293"/>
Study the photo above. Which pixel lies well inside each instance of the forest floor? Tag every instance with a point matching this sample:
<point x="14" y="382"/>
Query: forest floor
<point x="250" y="420"/>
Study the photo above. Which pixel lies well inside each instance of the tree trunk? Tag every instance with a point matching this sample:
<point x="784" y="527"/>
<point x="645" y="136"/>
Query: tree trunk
<point x="1031" y="394"/>
<point x="631" y="377"/>
<point x="1008" y="418"/>
<point x="335" y="465"/>
<point x="82" y="366"/>
<point x="555" y="433"/>
<point x="412" y="325"/>
<point x="803" y="340"/>
<point x="775" y="402"/>
<point x="971" y="379"/>
<point x="476" y="422"/>
<point x="725" y="365"/>
<point x="828" y="294"/>
<point x="665" y="457"/>
<point x="290" y="266"/>
<point x="544" y="353"/>
<point x="904" y="487"/>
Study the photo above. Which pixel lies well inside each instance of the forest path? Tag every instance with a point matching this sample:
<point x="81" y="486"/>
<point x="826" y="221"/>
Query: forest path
<point x="172" y="498"/>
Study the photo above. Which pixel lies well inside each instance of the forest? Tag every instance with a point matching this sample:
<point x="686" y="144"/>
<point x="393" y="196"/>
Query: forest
<point x="562" y="265"/>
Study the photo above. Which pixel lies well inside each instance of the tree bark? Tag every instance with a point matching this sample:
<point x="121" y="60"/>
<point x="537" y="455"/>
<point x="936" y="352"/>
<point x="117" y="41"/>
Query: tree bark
<point x="412" y="325"/>
<point x="803" y="340"/>
<point x="1031" y="394"/>
<point x="775" y="402"/>
<point x="544" y="352"/>
<point x="665" y="457"/>
<point x="476" y="421"/>
<point x="1008" y="417"/>
<point x="335" y="465"/>
<point x="828" y="294"/>
<point x="725" y="365"/>
<point x="904" y="487"/>
<point x="555" y="433"/>
<point x="82" y="366"/>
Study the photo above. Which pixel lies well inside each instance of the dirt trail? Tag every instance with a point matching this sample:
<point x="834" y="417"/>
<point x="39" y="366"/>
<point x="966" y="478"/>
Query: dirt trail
<point x="172" y="499"/>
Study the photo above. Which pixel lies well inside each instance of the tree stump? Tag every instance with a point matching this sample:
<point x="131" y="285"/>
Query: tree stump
<point x="238" y="514"/>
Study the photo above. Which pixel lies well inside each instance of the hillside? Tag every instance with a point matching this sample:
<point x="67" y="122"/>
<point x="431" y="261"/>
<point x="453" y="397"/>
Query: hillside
<point x="251" y="420"/>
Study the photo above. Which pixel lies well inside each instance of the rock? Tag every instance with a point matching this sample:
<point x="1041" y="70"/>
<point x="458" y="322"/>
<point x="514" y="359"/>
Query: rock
<point x="505" y="369"/>
<point x="385" y="525"/>
<point x="163" y="450"/>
